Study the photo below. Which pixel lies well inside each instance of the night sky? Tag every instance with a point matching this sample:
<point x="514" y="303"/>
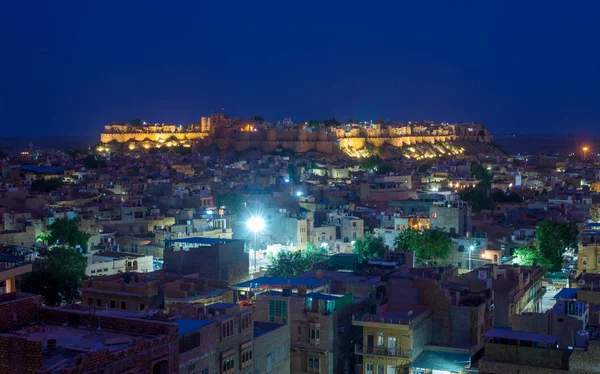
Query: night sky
<point x="70" y="67"/>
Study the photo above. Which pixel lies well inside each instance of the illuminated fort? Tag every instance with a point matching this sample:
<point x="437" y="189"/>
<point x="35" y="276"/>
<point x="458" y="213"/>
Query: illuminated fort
<point x="356" y="140"/>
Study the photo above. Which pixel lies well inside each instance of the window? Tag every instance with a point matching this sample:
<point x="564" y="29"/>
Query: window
<point x="105" y="269"/>
<point x="269" y="363"/>
<point x="246" y="358"/>
<point x="369" y="368"/>
<point x="313" y="365"/>
<point x="227" y="366"/>
<point x="113" y="304"/>
<point x="380" y="369"/>
<point x="204" y="371"/>
<point x="90" y="301"/>
<point x="226" y="329"/>
<point x="98" y="302"/>
<point x="278" y="311"/>
<point x="123" y="305"/>
<point x="315" y="336"/>
<point x="93" y="271"/>
<point x="380" y="339"/>
<point x="142" y="307"/>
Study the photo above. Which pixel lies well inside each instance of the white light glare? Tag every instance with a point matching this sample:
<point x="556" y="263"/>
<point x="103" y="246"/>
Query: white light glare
<point x="255" y="224"/>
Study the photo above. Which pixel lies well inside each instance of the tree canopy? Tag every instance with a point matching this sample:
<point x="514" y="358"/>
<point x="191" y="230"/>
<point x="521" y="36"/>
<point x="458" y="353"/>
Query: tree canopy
<point x="91" y="162"/>
<point x="230" y="200"/>
<point x="482" y="175"/>
<point x="369" y="247"/>
<point x="552" y="240"/>
<point x="501" y="197"/>
<point x="429" y="246"/>
<point x="291" y="263"/>
<point x="65" y="232"/>
<point x="59" y="277"/>
<point x="477" y="197"/>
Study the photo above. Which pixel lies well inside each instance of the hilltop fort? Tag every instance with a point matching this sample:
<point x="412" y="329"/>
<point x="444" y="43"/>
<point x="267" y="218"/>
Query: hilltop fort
<point x="354" y="139"/>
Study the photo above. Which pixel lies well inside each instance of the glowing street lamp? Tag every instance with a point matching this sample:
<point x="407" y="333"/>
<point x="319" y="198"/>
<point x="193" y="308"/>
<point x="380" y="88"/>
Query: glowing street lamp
<point x="471" y="249"/>
<point x="299" y="193"/>
<point x="585" y="149"/>
<point x="255" y="224"/>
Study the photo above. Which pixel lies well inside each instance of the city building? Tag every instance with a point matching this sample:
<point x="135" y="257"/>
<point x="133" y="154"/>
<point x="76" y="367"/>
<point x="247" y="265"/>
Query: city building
<point x="12" y="268"/>
<point x="321" y="335"/>
<point x="223" y="259"/>
<point x="517" y="289"/>
<point x="152" y="291"/>
<point x="391" y="340"/>
<point x="567" y="320"/>
<point x="271" y="348"/>
<point x="508" y="351"/>
<point x="35" y="339"/>
<point x="109" y="262"/>
<point x="453" y="217"/>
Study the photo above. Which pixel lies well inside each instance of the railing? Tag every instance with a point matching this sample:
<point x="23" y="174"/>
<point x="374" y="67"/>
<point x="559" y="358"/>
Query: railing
<point x="382" y="351"/>
<point x="7" y="265"/>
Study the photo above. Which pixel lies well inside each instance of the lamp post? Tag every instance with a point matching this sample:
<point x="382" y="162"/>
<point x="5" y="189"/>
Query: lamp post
<point x="471" y="249"/>
<point x="255" y="224"/>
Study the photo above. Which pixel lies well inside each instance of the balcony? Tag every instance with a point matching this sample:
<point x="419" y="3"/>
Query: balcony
<point x="382" y="351"/>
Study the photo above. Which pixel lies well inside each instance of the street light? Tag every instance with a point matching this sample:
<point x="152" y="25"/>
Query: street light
<point x="471" y="249"/>
<point x="298" y="193"/>
<point x="255" y="224"/>
<point x="585" y="149"/>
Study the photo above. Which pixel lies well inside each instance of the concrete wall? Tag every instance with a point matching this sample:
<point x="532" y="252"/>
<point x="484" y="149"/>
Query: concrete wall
<point x="267" y="347"/>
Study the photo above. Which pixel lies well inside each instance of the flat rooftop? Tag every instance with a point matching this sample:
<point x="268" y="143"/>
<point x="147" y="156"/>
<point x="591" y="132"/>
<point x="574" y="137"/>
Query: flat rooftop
<point x="201" y="241"/>
<point x="75" y="342"/>
<point x="114" y="254"/>
<point x="520" y="335"/>
<point x="278" y="281"/>
<point x="186" y="326"/>
<point x="261" y="328"/>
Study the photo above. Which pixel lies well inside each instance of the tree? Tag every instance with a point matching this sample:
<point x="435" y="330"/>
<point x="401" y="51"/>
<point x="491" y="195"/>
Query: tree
<point x="75" y="152"/>
<point x="482" y="175"/>
<point x="291" y="263"/>
<point x="501" y="197"/>
<point x="313" y="124"/>
<point x="65" y="232"/>
<point x="291" y="170"/>
<point x="46" y="185"/>
<point x="59" y="277"/>
<point x="258" y="119"/>
<point x="331" y="122"/>
<point x="369" y="163"/>
<point x="90" y="162"/>
<point x="370" y="246"/>
<point x="230" y="200"/>
<point x="384" y="169"/>
<point x="477" y="197"/>
<point x="429" y="246"/>
<point x="527" y="256"/>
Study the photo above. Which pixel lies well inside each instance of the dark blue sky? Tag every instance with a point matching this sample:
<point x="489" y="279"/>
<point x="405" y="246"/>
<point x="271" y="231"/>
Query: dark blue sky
<point x="69" y="67"/>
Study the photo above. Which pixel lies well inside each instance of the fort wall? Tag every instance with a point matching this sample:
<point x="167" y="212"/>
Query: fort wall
<point x="304" y="141"/>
